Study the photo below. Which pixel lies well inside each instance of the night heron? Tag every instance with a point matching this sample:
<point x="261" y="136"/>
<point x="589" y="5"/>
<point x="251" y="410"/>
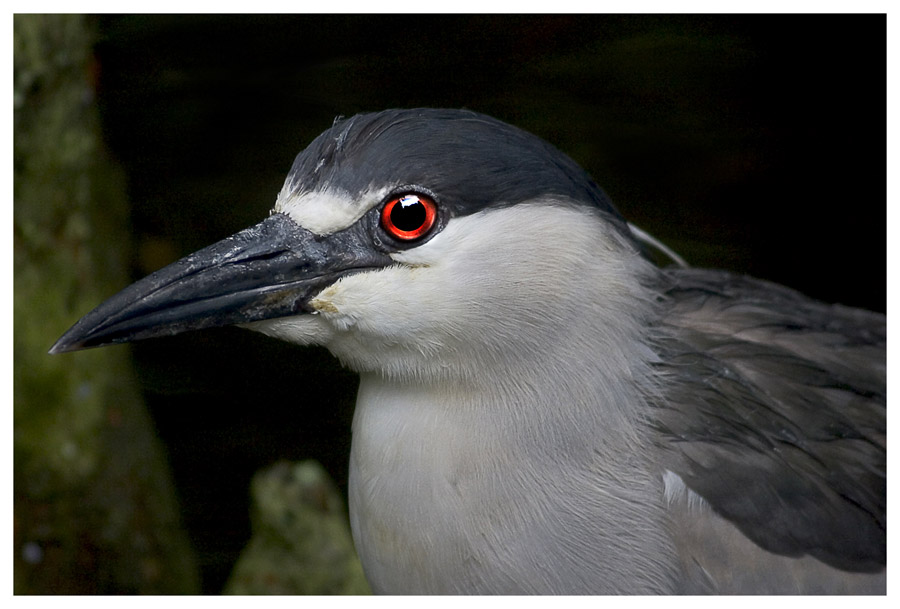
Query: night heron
<point x="541" y="409"/>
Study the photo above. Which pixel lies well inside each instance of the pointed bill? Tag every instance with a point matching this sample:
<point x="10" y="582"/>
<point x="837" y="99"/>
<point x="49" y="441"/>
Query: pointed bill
<point x="269" y="270"/>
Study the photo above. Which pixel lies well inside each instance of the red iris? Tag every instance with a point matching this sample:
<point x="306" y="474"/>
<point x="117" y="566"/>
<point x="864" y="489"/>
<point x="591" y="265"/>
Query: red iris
<point x="409" y="217"/>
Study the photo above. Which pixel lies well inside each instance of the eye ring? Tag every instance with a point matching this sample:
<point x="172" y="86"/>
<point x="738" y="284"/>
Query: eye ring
<point x="409" y="216"/>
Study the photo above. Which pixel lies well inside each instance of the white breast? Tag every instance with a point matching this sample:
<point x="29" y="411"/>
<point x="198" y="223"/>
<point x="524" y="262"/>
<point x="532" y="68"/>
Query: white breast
<point x="443" y="502"/>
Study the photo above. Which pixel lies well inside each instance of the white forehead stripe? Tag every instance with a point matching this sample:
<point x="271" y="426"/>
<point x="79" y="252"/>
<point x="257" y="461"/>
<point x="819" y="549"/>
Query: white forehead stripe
<point x="326" y="212"/>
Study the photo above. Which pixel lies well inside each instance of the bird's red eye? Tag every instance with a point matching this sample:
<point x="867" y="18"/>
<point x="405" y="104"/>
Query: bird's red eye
<point x="409" y="217"/>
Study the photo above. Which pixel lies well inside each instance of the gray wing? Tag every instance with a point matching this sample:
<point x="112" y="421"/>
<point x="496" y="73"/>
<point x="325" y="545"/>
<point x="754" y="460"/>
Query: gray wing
<point x="774" y="413"/>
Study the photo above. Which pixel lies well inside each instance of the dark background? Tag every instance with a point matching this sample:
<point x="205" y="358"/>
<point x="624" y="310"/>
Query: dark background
<point x="755" y="143"/>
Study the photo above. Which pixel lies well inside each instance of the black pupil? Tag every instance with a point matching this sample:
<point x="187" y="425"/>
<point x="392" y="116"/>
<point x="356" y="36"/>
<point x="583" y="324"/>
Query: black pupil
<point x="408" y="214"/>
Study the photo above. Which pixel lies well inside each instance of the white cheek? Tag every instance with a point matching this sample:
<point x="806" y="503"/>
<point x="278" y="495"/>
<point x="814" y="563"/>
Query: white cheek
<point x="392" y="302"/>
<point x="481" y="274"/>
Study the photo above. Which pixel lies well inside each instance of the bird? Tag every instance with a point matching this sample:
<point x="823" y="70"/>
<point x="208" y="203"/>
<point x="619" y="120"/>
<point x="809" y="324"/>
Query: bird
<point x="542" y="409"/>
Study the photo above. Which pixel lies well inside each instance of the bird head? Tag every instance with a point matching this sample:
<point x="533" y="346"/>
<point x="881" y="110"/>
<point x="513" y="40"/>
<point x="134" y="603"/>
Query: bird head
<point x="410" y="243"/>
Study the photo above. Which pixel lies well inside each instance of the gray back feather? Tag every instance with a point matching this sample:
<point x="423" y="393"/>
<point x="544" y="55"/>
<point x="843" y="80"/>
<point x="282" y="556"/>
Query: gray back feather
<point x="775" y="414"/>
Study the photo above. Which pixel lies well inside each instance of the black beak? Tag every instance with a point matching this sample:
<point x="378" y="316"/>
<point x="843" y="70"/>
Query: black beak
<point x="270" y="270"/>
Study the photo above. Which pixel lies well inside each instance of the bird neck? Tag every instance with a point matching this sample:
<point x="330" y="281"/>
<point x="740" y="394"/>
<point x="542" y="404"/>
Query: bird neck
<point x="554" y="404"/>
<point x="477" y="479"/>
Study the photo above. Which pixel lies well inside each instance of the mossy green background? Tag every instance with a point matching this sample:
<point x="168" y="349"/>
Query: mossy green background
<point x="95" y="509"/>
